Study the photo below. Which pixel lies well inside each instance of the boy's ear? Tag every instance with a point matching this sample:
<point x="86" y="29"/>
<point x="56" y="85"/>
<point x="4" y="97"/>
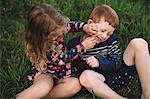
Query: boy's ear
<point x="90" y="21"/>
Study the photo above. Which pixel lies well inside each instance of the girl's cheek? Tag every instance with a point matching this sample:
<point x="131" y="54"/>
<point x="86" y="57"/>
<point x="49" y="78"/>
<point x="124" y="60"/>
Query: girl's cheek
<point x="60" y="33"/>
<point x="64" y="31"/>
<point x="54" y="38"/>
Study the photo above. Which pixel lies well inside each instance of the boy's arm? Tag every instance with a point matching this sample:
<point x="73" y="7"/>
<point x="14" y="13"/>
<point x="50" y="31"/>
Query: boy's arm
<point x="113" y="60"/>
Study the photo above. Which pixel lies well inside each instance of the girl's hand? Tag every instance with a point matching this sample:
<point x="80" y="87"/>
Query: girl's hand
<point x="92" y="62"/>
<point x="90" y="29"/>
<point x="89" y="42"/>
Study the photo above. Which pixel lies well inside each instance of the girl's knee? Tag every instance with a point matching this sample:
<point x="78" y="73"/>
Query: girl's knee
<point x="73" y="86"/>
<point x="44" y="84"/>
<point x="88" y="77"/>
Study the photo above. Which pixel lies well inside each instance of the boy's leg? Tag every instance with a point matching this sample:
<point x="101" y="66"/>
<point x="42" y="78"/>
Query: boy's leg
<point x="94" y="82"/>
<point x="137" y="54"/>
<point x="65" y="88"/>
<point x="42" y="85"/>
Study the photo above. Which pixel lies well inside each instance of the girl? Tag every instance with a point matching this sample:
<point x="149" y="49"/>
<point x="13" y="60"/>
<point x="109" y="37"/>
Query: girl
<point x="50" y="61"/>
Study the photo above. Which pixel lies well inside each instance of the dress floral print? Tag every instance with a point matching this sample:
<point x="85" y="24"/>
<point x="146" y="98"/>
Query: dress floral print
<point x="59" y="63"/>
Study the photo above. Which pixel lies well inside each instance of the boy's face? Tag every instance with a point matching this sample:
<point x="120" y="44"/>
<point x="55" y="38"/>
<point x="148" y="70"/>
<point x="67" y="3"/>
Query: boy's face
<point x="104" y="30"/>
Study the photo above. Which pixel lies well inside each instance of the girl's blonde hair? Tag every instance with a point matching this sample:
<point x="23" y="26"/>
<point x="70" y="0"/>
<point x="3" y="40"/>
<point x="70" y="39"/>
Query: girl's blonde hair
<point x="41" y="20"/>
<point x="106" y="12"/>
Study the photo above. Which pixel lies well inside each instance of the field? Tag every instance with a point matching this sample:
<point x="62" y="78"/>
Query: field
<point x="134" y="22"/>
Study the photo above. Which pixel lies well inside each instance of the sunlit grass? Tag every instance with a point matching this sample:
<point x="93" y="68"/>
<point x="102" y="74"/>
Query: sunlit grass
<point x="134" y="22"/>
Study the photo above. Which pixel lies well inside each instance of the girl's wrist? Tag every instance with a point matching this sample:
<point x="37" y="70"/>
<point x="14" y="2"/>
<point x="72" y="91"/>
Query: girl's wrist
<point x="84" y="27"/>
<point x="83" y="49"/>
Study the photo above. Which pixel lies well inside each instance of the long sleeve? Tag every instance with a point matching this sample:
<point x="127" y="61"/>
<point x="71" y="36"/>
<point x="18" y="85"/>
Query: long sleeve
<point x="71" y="54"/>
<point x="113" y="60"/>
<point x="60" y="52"/>
<point x="75" y="26"/>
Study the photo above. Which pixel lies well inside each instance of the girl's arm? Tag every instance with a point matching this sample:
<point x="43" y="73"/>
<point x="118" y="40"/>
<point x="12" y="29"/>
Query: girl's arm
<point x="78" y="26"/>
<point x="73" y="53"/>
<point x="75" y="26"/>
<point x="80" y="48"/>
<point x="60" y="52"/>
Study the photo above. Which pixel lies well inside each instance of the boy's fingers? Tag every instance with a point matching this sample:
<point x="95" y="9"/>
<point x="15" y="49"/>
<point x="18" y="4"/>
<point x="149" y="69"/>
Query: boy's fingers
<point x="89" y="61"/>
<point x="91" y="64"/>
<point x="89" y="58"/>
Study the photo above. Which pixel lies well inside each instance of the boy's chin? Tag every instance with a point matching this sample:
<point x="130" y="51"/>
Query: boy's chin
<point x="99" y="41"/>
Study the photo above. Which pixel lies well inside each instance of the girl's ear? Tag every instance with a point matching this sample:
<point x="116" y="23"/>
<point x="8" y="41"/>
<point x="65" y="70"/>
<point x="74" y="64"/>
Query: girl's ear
<point x="90" y="21"/>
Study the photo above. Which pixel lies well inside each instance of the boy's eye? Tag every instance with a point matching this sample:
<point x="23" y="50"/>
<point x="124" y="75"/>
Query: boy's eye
<point x="103" y="30"/>
<point x="109" y="33"/>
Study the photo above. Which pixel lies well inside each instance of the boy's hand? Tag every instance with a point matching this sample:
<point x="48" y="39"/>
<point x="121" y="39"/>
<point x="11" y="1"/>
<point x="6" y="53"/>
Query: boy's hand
<point x="90" y="29"/>
<point x="92" y="62"/>
<point x="89" y="42"/>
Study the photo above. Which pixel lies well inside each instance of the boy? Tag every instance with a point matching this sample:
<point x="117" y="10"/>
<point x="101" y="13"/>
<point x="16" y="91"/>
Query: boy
<point x="104" y="68"/>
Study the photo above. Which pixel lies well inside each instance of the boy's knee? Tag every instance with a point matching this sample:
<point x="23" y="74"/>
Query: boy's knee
<point x="146" y="92"/>
<point x="88" y="77"/>
<point x="138" y="44"/>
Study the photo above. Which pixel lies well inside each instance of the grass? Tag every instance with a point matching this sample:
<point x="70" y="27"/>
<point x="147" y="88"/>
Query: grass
<point x="134" y="22"/>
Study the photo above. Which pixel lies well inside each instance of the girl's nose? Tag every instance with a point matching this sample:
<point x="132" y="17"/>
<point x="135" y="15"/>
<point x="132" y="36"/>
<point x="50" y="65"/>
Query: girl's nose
<point x="61" y="33"/>
<point x="64" y="31"/>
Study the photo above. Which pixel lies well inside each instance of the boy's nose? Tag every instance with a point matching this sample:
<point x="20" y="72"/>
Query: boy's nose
<point x="104" y="36"/>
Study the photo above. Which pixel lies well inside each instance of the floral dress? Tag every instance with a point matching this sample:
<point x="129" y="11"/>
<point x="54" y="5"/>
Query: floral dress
<point x="60" y="59"/>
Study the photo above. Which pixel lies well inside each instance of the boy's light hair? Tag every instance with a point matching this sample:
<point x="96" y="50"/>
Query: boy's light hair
<point x="106" y="12"/>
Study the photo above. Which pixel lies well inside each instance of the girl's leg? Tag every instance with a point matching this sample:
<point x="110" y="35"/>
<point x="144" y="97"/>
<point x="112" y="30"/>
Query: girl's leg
<point x="41" y="86"/>
<point x="94" y="82"/>
<point x="137" y="53"/>
<point x="65" y="88"/>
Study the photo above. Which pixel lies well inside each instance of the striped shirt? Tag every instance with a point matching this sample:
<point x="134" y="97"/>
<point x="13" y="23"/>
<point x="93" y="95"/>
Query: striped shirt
<point x="107" y="53"/>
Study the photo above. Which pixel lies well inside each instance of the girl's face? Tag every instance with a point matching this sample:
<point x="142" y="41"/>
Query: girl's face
<point x="104" y="30"/>
<point x="59" y="32"/>
<point x="55" y="34"/>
